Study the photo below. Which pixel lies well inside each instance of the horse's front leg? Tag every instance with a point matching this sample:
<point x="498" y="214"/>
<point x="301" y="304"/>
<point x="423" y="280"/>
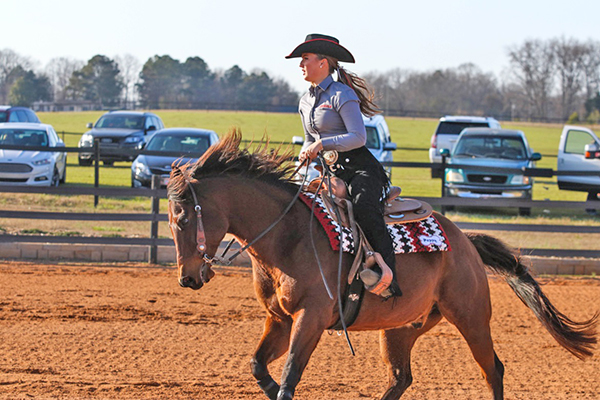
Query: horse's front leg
<point x="307" y="329"/>
<point x="273" y="344"/>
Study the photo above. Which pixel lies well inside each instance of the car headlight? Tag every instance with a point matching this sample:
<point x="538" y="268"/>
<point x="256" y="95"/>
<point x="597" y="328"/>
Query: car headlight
<point x="141" y="169"/>
<point x="133" y="139"/>
<point x="86" y="140"/>
<point x="520" y="180"/>
<point x="454" y="175"/>
<point x="43" y="161"/>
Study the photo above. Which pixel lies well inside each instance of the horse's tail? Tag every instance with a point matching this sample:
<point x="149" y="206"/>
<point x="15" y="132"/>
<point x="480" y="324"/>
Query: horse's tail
<point x="577" y="337"/>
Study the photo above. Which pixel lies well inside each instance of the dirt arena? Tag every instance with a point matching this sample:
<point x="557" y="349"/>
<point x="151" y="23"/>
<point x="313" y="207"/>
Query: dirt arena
<point x="130" y="332"/>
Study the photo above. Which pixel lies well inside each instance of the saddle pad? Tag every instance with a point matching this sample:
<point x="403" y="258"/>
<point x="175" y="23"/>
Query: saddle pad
<point x="426" y="235"/>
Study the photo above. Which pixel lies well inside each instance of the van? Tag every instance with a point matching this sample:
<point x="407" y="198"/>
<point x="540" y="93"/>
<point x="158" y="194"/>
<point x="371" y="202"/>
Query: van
<point x="579" y="150"/>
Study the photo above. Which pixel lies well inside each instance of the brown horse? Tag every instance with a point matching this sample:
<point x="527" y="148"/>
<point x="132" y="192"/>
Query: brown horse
<point x="230" y="190"/>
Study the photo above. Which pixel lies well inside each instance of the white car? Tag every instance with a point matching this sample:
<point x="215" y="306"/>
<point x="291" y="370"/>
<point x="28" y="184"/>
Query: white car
<point x="31" y="167"/>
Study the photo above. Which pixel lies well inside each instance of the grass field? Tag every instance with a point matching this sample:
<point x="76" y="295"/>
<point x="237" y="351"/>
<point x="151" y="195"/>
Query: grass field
<point x="411" y="134"/>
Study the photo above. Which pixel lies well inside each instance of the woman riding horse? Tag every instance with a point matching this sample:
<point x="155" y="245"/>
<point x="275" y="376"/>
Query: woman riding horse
<point x="231" y="190"/>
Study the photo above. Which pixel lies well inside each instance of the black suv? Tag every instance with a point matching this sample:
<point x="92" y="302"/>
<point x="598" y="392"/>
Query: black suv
<point x="17" y="114"/>
<point x="120" y="134"/>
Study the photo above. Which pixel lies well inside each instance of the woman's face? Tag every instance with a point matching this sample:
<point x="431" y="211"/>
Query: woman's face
<point x="313" y="69"/>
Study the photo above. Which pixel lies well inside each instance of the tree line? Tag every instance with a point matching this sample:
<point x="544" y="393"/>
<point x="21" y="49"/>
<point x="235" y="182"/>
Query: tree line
<point x="555" y="79"/>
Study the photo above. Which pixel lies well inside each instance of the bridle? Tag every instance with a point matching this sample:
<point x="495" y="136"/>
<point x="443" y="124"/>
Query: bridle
<point x="201" y="235"/>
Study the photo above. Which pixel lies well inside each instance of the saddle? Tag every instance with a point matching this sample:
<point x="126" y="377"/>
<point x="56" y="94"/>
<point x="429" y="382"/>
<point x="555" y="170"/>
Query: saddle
<point x="397" y="211"/>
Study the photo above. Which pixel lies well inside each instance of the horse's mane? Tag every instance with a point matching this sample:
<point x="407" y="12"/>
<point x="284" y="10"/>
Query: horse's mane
<point x="226" y="157"/>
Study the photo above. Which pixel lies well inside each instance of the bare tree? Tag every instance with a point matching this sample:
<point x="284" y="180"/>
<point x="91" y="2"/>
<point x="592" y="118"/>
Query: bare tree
<point x="130" y="68"/>
<point x="59" y="70"/>
<point x="9" y="60"/>
<point x="533" y="66"/>
<point x="591" y="69"/>
<point x="569" y="58"/>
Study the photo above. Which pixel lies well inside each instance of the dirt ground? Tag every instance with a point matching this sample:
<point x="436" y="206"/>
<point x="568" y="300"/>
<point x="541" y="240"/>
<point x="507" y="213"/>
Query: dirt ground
<point x="129" y="332"/>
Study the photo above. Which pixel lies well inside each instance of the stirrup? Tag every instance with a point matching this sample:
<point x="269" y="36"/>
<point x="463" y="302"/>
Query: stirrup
<point x="374" y="282"/>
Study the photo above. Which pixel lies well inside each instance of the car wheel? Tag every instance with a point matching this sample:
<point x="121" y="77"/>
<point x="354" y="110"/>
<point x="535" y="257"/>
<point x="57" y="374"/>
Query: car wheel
<point x="64" y="176"/>
<point x="55" y="178"/>
<point x="524" y="211"/>
<point x="85" y="162"/>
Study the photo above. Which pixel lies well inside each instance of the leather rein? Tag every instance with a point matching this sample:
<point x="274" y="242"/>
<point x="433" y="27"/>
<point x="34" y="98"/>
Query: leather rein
<point x="201" y="236"/>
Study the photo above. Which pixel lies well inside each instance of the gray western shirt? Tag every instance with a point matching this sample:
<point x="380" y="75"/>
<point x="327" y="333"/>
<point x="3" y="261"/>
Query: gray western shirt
<point x="330" y="111"/>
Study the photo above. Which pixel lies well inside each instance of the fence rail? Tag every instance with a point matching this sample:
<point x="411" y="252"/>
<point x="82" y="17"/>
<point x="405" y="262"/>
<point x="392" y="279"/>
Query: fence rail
<point x="155" y="194"/>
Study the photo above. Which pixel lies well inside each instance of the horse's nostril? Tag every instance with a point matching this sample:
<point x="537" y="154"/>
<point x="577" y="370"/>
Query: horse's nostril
<point x="185" y="281"/>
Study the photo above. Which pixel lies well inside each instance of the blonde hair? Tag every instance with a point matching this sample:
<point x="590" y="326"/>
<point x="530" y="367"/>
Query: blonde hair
<point x="359" y="85"/>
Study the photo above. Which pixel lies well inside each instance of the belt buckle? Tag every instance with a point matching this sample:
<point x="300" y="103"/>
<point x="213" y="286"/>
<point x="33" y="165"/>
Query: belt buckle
<point x="330" y="157"/>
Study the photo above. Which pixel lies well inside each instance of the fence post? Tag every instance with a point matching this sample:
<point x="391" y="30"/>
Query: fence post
<point x="443" y="182"/>
<point x="153" y="251"/>
<point x="96" y="168"/>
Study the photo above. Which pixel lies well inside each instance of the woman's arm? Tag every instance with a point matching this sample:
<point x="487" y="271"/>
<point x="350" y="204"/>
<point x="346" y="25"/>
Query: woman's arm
<point x="355" y="137"/>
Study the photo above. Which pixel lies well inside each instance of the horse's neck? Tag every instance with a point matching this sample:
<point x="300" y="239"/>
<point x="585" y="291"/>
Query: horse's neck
<point x="252" y="206"/>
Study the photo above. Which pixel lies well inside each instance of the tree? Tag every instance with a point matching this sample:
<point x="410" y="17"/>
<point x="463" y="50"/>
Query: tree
<point x="130" y="68"/>
<point x="29" y="88"/>
<point x="569" y="56"/>
<point x="9" y="61"/>
<point x="533" y="67"/>
<point x="256" y="91"/>
<point x="198" y="81"/>
<point x="59" y="71"/>
<point x="97" y="81"/>
<point x="160" y="82"/>
<point x="231" y="81"/>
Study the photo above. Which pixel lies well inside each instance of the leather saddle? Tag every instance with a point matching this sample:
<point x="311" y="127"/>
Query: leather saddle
<point x="397" y="211"/>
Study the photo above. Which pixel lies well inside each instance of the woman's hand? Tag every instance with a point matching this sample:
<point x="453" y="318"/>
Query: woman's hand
<point x="311" y="151"/>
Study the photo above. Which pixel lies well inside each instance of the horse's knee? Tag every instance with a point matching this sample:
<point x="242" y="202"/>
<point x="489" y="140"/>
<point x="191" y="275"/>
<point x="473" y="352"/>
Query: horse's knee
<point x="259" y="370"/>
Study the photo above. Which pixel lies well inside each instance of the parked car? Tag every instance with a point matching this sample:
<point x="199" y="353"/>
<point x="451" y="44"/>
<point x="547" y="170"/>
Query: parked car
<point x="18" y="114"/>
<point x="579" y="150"/>
<point x="447" y="131"/>
<point x="31" y="167"/>
<point x="120" y="134"/>
<point x="379" y="143"/>
<point x="488" y="147"/>
<point x="178" y="142"/>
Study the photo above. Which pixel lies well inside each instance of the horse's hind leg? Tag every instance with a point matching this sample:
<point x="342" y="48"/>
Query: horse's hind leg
<point x="396" y="345"/>
<point x="473" y="321"/>
<point x="273" y="344"/>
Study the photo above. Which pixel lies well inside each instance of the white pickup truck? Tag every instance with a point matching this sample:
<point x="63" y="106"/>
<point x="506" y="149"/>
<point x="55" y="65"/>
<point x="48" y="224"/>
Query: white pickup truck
<point x="579" y="150"/>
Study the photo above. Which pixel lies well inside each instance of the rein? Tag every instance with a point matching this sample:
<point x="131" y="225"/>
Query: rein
<point x="201" y="236"/>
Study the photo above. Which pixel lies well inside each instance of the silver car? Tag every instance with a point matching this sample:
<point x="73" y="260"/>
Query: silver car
<point x="20" y="166"/>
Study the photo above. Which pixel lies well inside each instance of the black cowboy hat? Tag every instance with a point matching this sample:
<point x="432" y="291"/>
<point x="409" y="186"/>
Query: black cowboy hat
<point x="322" y="44"/>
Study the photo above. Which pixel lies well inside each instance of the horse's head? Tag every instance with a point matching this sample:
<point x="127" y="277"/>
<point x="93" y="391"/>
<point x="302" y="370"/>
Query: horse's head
<point x="197" y="231"/>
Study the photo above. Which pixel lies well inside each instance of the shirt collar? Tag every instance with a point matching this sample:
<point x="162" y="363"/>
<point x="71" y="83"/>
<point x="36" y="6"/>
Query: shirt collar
<point x="322" y="86"/>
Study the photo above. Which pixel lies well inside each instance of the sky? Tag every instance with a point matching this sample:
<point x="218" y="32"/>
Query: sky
<point x="383" y="35"/>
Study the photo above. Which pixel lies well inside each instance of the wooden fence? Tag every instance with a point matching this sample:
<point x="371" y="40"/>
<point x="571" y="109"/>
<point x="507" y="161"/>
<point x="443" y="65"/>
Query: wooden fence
<point x="155" y="217"/>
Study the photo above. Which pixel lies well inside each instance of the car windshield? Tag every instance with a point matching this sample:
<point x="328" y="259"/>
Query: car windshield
<point x="23" y="137"/>
<point x="372" y="138"/>
<point x="454" y="128"/>
<point x="506" y="147"/>
<point x="121" y="122"/>
<point x="3" y="116"/>
<point x="179" y="143"/>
